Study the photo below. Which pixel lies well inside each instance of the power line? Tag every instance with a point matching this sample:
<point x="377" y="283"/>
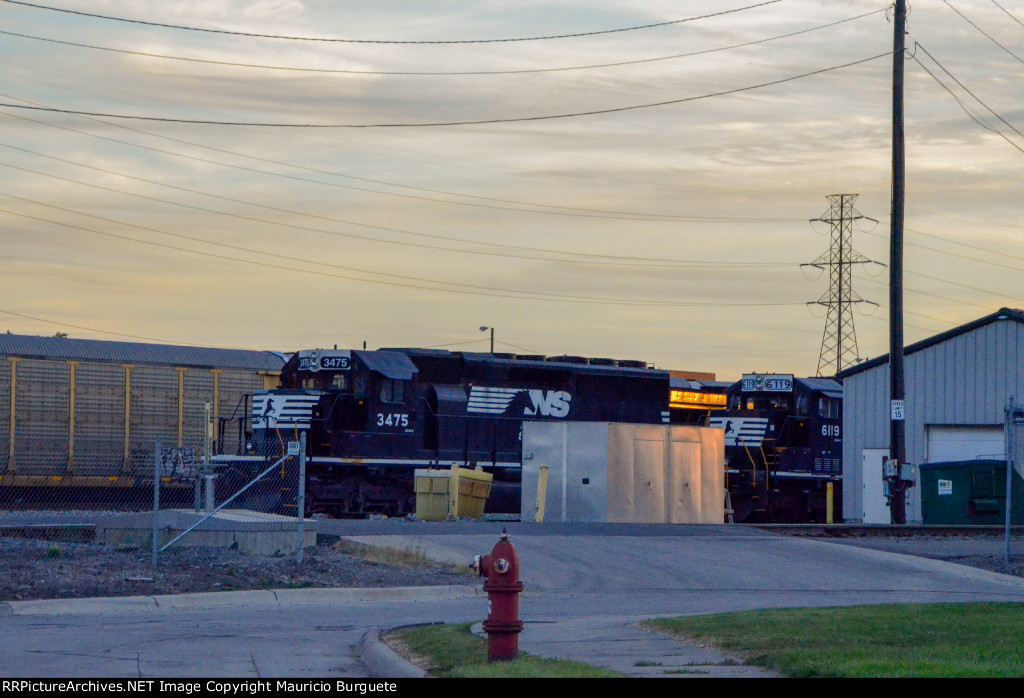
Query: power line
<point x="387" y="41"/>
<point x="93" y="329"/>
<point x="987" y="35"/>
<point x="932" y="295"/>
<point x="918" y="45"/>
<point x="1001" y="253"/>
<point x="951" y="254"/>
<point x="559" y="210"/>
<point x="974" y="117"/>
<point x="440" y="72"/>
<point x="971" y="288"/>
<point x="1008" y="13"/>
<point x="406" y="281"/>
<point x="590" y="258"/>
<point x="474" y="122"/>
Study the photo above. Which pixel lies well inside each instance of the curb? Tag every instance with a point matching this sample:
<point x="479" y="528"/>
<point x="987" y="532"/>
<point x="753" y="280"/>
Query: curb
<point x="381" y="661"/>
<point x="932" y="564"/>
<point x="220" y="599"/>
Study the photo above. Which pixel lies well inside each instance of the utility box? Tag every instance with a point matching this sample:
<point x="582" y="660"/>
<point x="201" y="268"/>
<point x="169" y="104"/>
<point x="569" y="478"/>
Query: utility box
<point x="434" y="490"/>
<point x="969" y="493"/>
<point x="624" y="473"/>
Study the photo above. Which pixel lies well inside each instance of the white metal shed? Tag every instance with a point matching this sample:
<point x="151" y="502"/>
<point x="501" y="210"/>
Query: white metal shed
<point x="957" y="386"/>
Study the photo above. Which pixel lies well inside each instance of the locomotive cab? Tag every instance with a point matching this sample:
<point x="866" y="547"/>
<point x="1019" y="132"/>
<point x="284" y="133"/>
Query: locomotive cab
<point x="783" y="446"/>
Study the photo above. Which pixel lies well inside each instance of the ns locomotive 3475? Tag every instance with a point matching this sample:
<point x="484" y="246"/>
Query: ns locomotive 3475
<point x="373" y="417"/>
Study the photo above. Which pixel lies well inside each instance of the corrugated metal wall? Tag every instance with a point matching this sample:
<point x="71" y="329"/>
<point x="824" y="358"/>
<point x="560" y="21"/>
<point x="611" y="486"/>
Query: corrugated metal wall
<point x="41" y="445"/>
<point x="43" y="414"/>
<point x="99" y="419"/>
<point x="964" y="380"/>
<point x="5" y="416"/>
<point x="154" y="413"/>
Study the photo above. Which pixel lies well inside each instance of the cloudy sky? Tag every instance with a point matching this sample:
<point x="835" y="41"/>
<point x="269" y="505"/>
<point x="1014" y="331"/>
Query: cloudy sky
<point x="273" y="192"/>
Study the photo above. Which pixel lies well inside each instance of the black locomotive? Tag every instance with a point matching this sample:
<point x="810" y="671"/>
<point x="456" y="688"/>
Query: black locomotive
<point x="783" y="447"/>
<point x="373" y="417"/>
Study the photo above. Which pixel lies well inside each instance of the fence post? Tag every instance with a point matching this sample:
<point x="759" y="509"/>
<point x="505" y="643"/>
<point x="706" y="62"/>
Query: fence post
<point x="1009" y="471"/>
<point x="302" y="495"/>
<point x="156" y="499"/>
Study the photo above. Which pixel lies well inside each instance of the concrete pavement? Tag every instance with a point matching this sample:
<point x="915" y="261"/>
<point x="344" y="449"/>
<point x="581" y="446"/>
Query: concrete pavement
<point x="585" y="594"/>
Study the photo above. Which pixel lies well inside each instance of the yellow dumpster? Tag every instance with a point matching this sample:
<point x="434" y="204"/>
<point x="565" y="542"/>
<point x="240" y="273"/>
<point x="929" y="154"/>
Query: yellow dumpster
<point x="451" y="494"/>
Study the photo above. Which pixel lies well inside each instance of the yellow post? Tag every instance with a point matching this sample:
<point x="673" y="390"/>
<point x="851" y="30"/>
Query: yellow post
<point x="126" y="463"/>
<point x="14" y="414"/>
<point x="70" y="470"/>
<point x="828" y="504"/>
<point x="542" y="494"/>
<point x="181" y="405"/>
<point x="216" y="401"/>
<point x="453" y="494"/>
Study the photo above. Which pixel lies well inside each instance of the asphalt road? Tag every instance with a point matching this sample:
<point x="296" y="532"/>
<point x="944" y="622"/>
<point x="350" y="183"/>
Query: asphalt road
<point x="585" y="590"/>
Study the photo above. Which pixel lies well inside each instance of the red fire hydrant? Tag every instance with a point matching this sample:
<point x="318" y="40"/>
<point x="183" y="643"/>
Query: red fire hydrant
<point x="501" y="568"/>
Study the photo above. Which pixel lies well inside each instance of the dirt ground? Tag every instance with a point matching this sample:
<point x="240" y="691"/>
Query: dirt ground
<point x="38" y="569"/>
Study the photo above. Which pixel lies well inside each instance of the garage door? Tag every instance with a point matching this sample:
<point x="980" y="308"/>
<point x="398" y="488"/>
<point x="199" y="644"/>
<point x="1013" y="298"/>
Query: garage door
<point x="949" y="443"/>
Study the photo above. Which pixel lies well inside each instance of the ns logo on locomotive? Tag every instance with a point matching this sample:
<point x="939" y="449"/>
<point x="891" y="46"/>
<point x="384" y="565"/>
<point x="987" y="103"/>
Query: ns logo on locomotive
<point x="372" y="417"/>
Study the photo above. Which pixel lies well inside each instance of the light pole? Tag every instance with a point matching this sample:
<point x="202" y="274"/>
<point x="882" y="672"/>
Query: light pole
<point x="484" y="329"/>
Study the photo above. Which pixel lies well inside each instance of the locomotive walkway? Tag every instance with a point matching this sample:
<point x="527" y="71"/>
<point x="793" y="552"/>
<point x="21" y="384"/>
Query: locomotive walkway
<point x="586" y="590"/>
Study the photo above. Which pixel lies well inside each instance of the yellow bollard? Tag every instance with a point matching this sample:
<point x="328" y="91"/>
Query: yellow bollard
<point x="542" y="494"/>
<point x="828" y="504"/>
<point x="453" y="493"/>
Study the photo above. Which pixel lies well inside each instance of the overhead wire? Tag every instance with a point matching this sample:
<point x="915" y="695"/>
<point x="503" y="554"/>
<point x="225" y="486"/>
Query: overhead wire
<point x="582" y="257"/>
<point x="425" y="73"/>
<point x="557" y="209"/>
<point x="985" y="33"/>
<point x="951" y="254"/>
<point x="1013" y="128"/>
<point x="93" y="329"/>
<point x="431" y="124"/>
<point x="387" y="41"/>
<point x="403" y="280"/>
<point x="961" y="285"/>
<point x="1008" y="13"/>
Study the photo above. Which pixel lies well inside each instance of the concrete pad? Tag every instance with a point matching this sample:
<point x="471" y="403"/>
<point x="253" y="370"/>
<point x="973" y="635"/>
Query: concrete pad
<point x="227" y="599"/>
<point x="251" y="532"/>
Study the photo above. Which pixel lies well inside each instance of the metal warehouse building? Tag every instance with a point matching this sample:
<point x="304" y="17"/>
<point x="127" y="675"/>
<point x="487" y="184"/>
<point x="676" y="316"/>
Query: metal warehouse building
<point x="86" y="412"/>
<point x="957" y="386"/>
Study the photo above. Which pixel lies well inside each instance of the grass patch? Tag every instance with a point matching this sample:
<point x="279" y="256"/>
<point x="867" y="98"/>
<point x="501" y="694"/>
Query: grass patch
<point x="451" y="651"/>
<point x="983" y="640"/>
<point x="400" y="557"/>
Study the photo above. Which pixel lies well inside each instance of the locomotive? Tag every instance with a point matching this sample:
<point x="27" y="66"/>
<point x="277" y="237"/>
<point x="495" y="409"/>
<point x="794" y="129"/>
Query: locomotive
<point x="372" y="417"/>
<point x="783" y="447"/>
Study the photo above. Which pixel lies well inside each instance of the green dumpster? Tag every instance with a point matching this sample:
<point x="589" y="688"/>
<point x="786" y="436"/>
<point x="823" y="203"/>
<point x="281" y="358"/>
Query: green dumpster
<point x="969" y="493"/>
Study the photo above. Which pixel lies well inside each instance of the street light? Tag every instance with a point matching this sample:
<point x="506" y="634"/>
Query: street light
<point x="484" y="329"/>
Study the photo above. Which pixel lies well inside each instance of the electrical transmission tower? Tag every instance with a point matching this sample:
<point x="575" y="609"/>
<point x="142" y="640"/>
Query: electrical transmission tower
<point x="839" y="341"/>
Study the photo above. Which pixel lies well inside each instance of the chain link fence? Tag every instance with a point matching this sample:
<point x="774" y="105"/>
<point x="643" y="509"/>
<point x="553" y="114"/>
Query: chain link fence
<point x="253" y="501"/>
<point x="69" y="503"/>
<point x="1015" y="437"/>
<point x="1013" y="430"/>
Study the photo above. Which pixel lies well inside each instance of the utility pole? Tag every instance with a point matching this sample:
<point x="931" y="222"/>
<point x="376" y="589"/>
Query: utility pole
<point x="897" y="430"/>
<point x="839" y="340"/>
